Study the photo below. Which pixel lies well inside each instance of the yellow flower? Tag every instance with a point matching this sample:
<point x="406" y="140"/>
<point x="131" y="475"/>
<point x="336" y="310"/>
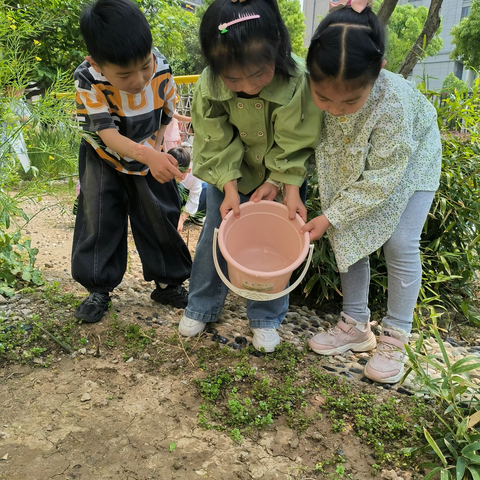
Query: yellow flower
<point x="13" y="27"/>
<point x="36" y="42"/>
<point x="38" y="59"/>
<point x="50" y="157"/>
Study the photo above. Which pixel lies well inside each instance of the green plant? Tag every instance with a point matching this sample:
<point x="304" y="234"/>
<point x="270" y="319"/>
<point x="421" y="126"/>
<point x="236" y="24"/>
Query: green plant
<point x="236" y="436"/>
<point x="18" y="64"/>
<point x="455" y="440"/>
<point x="451" y="84"/>
<point x="17" y="263"/>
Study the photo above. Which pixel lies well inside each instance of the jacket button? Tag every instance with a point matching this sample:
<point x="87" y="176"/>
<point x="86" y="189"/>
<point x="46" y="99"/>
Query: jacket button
<point x="257" y="156"/>
<point x="240" y="105"/>
<point x="260" y="174"/>
<point x="243" y="134"/>
<point x="245" y="148"/>
<point x="258" y="105"/>
<point x="260" y="133"/>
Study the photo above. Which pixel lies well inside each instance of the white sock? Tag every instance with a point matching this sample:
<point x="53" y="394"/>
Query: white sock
<point x="361" y="326"/>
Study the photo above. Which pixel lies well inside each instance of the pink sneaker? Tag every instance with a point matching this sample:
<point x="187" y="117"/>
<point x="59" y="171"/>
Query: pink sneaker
<point x="343" y="337"/>
<point x="386" y="364"/>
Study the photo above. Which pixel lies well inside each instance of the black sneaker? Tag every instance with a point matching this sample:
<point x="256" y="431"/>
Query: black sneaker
<point x="174" y="295"/>
<point x="75" y="206"/>
<point x="198" y="220"/>
<point x="91" y="310"/>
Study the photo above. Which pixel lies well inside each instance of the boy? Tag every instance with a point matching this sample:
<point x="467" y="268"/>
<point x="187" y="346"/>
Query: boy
<point x="125" y="100"/>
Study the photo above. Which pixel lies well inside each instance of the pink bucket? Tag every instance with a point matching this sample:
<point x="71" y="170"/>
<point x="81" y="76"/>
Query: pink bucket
<point x="262" y="249"/>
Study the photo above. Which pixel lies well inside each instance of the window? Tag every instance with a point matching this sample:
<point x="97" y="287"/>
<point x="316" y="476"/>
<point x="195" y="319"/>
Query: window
<point x="458" y="70"/>
<point x="465" y="12"/>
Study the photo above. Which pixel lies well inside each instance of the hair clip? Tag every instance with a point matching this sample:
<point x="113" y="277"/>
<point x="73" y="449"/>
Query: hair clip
<point x="242" y="18"/>
<point x="357" y="5"/>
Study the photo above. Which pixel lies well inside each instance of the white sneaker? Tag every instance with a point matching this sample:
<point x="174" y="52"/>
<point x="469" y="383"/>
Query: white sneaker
<point x="189" y="327"/>
<point x="266" y="338"/>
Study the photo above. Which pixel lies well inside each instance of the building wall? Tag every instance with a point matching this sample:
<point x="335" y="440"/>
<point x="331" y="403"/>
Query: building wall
<point x="313" y="10"/>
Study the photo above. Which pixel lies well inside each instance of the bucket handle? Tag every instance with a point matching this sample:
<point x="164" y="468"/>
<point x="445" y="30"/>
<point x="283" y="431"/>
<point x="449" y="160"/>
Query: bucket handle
<point x="251" y="294"/>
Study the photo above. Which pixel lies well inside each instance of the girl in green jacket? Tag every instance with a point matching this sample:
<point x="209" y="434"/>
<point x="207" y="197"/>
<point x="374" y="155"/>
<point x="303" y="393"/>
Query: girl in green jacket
<point x="255" y="129"/>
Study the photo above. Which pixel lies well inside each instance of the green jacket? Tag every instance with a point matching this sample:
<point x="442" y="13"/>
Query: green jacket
<point x="252" y="139"/>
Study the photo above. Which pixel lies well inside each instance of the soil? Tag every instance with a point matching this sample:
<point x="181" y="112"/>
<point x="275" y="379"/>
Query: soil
<point x="97" y="416"/>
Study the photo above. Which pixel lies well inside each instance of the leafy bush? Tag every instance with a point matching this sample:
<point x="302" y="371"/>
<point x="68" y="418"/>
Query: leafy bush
<point x="452" y="84"/>
<point x="455" y="439"/>
<point x="18" y="63"/>
<point x="451" y="236"/>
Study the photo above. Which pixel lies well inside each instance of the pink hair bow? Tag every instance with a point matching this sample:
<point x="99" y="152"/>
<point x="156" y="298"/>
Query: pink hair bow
<point x="357" y="5"/>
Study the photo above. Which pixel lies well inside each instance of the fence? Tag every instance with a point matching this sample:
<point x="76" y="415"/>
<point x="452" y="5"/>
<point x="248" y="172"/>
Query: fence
<point x="185" y="86"/>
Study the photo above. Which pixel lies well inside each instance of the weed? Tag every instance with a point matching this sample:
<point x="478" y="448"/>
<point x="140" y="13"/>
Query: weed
<point x="236" y="436"/>
<point x="55" y="297"/>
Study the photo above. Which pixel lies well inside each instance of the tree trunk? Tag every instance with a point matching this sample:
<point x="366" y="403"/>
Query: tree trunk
<point x="386" y="10"/>
<point x="429" y="30"/>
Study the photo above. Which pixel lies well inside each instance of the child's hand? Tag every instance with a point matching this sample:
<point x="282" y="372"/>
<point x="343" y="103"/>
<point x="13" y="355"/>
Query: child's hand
<point x="267" y="191"/>
<point x="231" y="200"/>
<point x="316" y="227"/>
<point x="294" y="203"/>
<point x="183" y="217"/>
<point x="162" y="166"/>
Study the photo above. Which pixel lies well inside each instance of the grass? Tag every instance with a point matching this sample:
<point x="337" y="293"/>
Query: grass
<point x="243" y="400"/>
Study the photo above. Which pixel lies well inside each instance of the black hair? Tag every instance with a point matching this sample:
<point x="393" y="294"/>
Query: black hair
<point x="260" y="41"/>
<point x="116" y="32"/>
<point x="181" y="156"/>
<point x="347" y="46"/>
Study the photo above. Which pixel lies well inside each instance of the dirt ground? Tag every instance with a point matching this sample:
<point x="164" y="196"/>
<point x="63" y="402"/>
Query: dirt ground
<point x="99" y="417"/>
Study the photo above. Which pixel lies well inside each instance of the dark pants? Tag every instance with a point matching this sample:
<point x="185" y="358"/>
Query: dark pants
<point x="107" y="198"/>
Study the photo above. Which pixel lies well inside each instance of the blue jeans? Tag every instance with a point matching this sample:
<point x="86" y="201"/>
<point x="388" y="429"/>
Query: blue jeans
<point x="402" y="255"/>
<point x="207" y="292"/>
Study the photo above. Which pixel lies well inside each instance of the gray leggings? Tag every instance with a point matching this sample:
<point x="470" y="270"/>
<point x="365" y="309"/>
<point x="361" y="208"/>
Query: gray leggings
<point x="402" y="254"/>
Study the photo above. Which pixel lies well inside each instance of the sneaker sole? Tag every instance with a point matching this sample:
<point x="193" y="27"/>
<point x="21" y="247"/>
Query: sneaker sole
<point x="86" y="319"/>
<point x="365" y="346"/>
<point x="267" y="348"/>
<point x="394" y="379"/>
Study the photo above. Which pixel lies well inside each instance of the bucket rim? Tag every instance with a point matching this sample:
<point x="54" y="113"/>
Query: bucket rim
<point x="255" y="273"/>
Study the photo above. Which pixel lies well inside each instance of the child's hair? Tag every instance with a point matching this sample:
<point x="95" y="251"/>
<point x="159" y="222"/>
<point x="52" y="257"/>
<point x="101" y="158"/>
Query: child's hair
<point x="116" y="32"/>
<point x="260" y="41"/>
<point x="181" y="156"/>
<point x="347" y="46"/>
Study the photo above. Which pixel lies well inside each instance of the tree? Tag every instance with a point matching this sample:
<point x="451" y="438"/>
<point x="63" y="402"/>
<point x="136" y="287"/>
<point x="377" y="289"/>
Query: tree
<point x="452" y="84"/>
<point x="386" y="10"/>
<point x="294" y="19"/>
<point x="175" y="33"/>
<point x="466" y="37"/>
<point x="420" y="48"/>
<point x="403" y="29"/>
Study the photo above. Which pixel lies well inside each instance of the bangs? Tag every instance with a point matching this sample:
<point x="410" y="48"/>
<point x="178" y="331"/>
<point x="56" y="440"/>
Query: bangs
<point x="223" y="57"/>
